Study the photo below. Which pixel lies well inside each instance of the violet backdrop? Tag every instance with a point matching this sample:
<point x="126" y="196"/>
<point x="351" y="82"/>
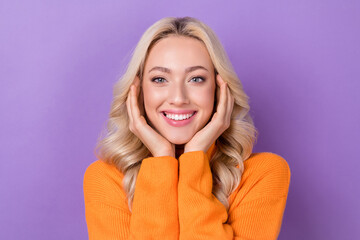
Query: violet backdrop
<point x="299" y="62"/>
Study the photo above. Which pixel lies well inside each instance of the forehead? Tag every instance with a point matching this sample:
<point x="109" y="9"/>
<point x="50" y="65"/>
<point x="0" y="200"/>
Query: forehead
<point x="178" y="52"/>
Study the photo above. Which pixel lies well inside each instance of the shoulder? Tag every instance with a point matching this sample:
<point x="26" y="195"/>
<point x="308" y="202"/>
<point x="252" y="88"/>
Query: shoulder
<point x="103" y="183"/>
<point x="265" y="164"/>
<point x="265" y="175"/>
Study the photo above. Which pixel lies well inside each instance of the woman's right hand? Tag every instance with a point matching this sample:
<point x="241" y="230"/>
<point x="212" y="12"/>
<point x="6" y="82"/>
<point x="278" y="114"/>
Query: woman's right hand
<point x="157" y="144"/>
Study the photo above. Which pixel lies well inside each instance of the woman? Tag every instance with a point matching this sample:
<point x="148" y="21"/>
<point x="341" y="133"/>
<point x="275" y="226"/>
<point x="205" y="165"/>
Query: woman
<point x="176" y="162"/>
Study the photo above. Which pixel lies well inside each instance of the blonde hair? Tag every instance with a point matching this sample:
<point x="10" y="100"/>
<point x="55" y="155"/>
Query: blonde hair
<point x="122" y="148"/>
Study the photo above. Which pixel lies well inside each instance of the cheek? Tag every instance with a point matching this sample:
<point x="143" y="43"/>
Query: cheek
<point x="205" y="99"/>
<point x="152" y="99"/>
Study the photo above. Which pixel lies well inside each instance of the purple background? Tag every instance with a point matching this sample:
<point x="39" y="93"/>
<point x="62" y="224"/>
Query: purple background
<point x="299" y="62"/>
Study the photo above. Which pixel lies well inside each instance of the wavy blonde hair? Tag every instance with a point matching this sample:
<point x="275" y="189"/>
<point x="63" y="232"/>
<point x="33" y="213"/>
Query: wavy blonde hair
<point x="121" y="147"/>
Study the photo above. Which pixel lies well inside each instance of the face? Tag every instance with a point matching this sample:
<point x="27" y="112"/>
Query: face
<point x="178" y="88"/>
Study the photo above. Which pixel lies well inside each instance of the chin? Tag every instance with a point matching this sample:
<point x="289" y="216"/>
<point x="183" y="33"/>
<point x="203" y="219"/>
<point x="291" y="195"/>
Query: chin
<point x="178" y="140"/>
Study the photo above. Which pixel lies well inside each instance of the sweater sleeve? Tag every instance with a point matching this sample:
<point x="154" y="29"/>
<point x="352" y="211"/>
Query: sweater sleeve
<point x="154" y="210"/>
<point x="201" y="215"/>
<point x="256" y="207"/>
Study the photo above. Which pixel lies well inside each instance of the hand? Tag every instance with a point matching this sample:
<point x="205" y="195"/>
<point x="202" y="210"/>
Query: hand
<point x="220" y="121"/>
<point x="157" y="145"/>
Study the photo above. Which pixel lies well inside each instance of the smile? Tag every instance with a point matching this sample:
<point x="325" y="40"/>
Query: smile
<point x="178" y="117"/>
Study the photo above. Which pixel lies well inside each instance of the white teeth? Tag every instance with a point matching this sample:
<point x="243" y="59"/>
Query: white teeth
<point x="178" y="117"/>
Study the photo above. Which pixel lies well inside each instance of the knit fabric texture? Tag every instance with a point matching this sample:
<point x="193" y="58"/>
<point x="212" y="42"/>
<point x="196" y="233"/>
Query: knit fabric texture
<point x="173" y="200"/>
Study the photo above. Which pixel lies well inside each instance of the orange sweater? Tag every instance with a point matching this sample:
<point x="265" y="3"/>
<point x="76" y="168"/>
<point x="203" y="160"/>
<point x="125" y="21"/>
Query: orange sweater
<point x="173" y="200"/>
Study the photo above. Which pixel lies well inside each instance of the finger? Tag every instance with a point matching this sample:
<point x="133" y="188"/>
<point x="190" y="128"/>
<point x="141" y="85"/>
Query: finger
<point x="136" y="83"/>
<point x="230" y="105"/>
<point x="139" y="95"/>
<point x="134" y="103"/>
<point x="221" y="108"/>
<point x="128" y="100"/>
<point x="230" y="100"/>
<point x="141" y="103"/>
<point x="219" y="82"/>
<point x="229" y="96"/>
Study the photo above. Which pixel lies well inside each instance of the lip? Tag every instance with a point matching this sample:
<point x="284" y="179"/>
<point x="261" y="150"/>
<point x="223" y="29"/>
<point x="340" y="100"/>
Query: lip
<point x="175" y="111"/>
<point x="178" y="123"/>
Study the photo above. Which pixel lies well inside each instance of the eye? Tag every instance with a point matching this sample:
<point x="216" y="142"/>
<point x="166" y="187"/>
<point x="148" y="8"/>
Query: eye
<point x="158" y="80"/>
<point x="197" y="79"/>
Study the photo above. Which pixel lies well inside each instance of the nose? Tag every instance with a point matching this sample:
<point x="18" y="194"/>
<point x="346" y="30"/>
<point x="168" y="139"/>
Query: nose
<point x="178" y="95"/>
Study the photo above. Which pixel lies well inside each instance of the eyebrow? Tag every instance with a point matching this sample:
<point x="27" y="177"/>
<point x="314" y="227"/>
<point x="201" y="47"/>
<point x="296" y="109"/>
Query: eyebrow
<point x="187" y="70"/>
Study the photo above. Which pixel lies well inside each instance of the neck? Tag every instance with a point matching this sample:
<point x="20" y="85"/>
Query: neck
<point x="179" y="149"/>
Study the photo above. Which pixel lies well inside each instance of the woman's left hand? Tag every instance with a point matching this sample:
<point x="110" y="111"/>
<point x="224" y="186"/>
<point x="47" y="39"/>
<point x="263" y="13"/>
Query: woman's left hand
<point x="220" y="121"/>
